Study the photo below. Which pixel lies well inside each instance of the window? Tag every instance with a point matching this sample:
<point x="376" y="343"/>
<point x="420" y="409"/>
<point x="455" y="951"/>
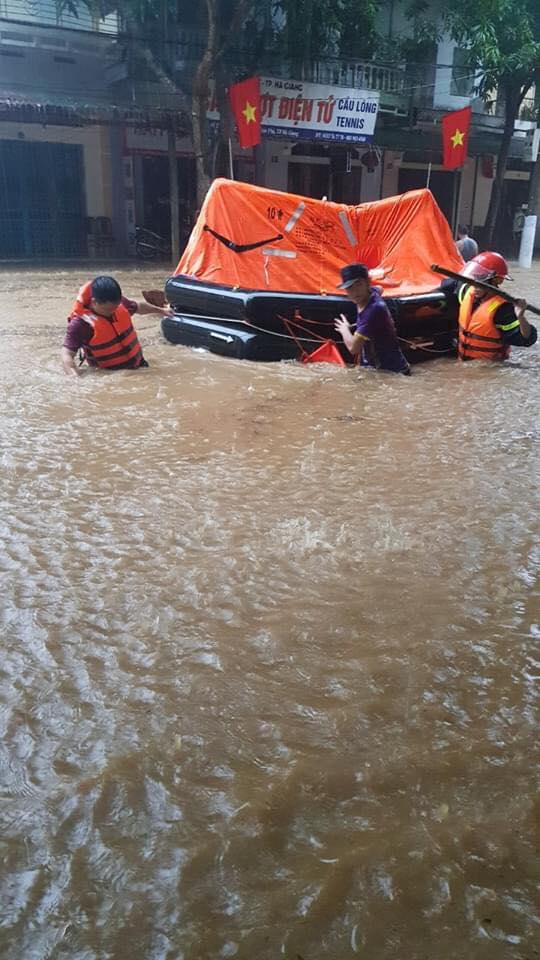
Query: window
<point x="462" y="83"/>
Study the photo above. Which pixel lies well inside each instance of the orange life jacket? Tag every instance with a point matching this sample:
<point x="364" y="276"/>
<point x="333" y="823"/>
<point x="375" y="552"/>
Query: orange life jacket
<point x="479" y="338"/>
<point x="114" y="342"/>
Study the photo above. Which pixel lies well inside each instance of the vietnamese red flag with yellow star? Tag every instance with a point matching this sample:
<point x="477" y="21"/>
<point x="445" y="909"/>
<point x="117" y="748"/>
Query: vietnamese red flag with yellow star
<point x="245" y="100"/>
<point x="455" y="128"/>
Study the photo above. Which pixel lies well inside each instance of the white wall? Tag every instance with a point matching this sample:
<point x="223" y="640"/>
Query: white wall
<point x="443" y="99"/>
<point x="482" y="195"/>
<point x="275" y="164"/>
<point x="481" y="203"/>
<point x="371" y="184"/>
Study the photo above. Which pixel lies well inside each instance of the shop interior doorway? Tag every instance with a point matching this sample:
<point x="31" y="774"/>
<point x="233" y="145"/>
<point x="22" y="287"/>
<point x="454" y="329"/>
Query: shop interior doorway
<point x="319" y="170"/>
<point x="156" y="194"/>
<point x="441" y="184"/>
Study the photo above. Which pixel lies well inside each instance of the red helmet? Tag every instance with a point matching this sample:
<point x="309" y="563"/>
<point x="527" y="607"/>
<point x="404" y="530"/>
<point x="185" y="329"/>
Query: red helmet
<point x="486" y="266"/>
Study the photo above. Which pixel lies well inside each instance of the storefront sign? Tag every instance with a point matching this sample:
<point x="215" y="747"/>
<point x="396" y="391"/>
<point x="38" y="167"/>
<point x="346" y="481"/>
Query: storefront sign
<point x="313" y="111"/>
<point x="294" y="110"/>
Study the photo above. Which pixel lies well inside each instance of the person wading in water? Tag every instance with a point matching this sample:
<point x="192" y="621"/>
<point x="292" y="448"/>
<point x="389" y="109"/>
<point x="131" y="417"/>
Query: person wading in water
<point x="374" y="338"/>
<point x="100" y="326"/>
<point x="467" y="246"/>
<point x="489" y="325"/>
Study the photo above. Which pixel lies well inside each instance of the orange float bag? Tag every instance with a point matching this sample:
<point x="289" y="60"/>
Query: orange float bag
<point x="259" y="239"/>
<point x="326" y="353"/>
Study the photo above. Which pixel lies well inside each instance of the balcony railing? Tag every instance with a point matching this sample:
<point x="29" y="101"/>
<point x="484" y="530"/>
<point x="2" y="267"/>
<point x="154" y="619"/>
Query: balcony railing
<point x="360" y="74"/>
<point x="529" y="108"/>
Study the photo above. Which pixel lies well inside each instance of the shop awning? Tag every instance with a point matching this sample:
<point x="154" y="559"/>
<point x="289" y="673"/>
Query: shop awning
<point x="60" y="110"/>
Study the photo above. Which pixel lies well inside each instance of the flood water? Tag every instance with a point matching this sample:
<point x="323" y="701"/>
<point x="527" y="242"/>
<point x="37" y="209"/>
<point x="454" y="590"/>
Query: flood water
<point x="268" y="639"/>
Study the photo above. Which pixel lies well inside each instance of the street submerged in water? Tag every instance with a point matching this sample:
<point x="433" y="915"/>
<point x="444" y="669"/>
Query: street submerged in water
<point x="268" y="652"/>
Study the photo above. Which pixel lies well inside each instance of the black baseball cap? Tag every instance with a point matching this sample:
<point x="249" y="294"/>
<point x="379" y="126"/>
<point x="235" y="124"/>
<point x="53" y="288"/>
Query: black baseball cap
<point x="351" y="273"/>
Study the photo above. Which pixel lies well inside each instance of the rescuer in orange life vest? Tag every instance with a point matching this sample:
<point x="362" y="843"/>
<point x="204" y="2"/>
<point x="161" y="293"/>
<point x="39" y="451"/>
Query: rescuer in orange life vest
<point x="100" y="326"/>
<point x="489" y="325"/>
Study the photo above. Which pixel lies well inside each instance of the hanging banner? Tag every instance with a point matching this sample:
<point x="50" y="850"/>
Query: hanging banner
<point x="314" y="111"/>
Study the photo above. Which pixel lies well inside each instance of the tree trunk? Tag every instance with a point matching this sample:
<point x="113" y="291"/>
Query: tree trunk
<point x="512" y="98"/>
<point x="200" y="139"/>
<point x="220" y="157"/>
<point x="174" y="195"/>
<point x="216" y="47"/>
<point x="199" y="108"/>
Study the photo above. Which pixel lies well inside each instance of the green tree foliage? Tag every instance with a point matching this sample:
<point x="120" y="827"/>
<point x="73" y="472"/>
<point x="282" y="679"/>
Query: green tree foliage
<point x="241" y="37"/>
<point x="503" y="40"/>
<point x="313" y="28"/>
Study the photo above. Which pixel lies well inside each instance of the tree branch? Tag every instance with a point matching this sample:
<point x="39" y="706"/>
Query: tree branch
<point x="242" y="9"/>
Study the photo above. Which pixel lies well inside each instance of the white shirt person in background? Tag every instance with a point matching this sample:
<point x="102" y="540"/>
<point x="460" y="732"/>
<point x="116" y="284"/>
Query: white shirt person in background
<point x="467" y="247"/>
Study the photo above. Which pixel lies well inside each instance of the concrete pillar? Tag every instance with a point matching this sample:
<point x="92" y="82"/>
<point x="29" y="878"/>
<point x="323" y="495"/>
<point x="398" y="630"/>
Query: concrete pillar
<point x="526" y="249"/>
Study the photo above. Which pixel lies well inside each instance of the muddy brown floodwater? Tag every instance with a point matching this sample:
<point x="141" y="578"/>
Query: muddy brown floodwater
<point x="268" y="638"/>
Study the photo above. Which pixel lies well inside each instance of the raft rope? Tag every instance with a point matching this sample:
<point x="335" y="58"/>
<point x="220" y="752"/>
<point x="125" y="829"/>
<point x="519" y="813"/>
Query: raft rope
<point x="414" y="346"/>
<point x="289" y="326"/>
<point x="299" y="340"/>
<point x="320" y="339"/>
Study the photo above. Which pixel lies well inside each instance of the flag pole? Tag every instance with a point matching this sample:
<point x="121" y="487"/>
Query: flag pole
<point x="473" y="201"/>
<point x="459" y="176"/>
<point x="428" y="175"/>
<point x="231" y="163"/>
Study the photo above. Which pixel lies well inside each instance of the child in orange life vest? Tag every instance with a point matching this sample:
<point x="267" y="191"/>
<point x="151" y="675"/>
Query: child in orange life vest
<point x="100" y="326"/>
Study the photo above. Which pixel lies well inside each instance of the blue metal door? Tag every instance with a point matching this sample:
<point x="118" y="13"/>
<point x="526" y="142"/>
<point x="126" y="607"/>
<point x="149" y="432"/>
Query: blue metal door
<point x="42" y="203"/>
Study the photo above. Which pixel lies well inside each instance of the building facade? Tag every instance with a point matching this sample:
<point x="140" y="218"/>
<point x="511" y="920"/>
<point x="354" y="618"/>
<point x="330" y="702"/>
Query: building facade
<point x="84" y="145"/>
<point x="66" y="170"/>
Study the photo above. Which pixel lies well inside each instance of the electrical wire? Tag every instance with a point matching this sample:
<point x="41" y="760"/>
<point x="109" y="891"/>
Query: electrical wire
<point x="119" y="35"/>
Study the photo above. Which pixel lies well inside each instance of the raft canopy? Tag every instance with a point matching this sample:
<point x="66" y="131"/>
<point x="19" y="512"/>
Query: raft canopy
<point x="259" y="239"/>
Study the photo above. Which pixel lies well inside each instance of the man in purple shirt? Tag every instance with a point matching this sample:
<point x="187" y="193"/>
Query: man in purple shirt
<point x="375" y="337"/>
